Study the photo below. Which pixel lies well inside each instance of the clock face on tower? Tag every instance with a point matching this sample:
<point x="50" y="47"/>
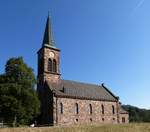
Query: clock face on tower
<point x="51" y="54"/>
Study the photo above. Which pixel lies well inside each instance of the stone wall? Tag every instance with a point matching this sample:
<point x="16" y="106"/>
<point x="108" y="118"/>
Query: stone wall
<point x="124" y="118"/>
<point x="52" y="77"/>
<point x="46" y="105"/>
<point x="69" y="115"/>
<point x="44" y="54"/>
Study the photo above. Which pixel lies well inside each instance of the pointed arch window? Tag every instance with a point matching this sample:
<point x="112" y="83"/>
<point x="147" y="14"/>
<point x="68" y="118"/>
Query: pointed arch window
<point x="49" y="65"/>
<point x="54" y="66"/>
<point x="90" y="108"/>
<point x="113" y="109"/>
<point x="61" y="108"/>
<point x="102" y="109"/>
<point x="76" y="108"/>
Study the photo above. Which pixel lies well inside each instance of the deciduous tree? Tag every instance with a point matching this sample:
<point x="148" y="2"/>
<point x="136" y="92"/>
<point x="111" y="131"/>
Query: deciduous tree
<point x="18" y="99"/>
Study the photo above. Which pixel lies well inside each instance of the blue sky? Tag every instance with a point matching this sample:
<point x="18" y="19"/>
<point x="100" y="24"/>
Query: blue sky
<point x="100" y="40"/>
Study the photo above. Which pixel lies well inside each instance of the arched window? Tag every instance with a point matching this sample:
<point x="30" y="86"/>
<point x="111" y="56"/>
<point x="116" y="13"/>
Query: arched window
<point x="113" y="109"/>
<point x="49" y="65"/>
<point x="76" y="108"/>
<point x="54" y="66"/>
<point x="90" y="108"/>
<point x="102" y="109"/>
<point x="61" y="108"/>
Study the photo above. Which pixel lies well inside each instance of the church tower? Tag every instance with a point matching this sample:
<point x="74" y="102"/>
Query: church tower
<point x="48" y="58"/>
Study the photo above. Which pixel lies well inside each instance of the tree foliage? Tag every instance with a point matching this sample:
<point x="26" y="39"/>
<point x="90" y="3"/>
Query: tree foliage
<point x="136" y="114"/>
<point x="18" y="98"/>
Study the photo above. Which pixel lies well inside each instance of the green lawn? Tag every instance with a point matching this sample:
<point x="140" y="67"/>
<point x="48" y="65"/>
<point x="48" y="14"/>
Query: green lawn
<point x="138" y="127"/>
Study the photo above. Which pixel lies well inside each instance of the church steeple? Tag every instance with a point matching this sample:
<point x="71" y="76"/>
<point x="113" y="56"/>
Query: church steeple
<point x="48" y="36"/>
<point x="48" y="57"/>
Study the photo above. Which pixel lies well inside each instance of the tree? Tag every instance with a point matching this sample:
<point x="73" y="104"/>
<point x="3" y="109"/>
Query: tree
<point x="136" y="114"/>
<point x="18" y="98"/>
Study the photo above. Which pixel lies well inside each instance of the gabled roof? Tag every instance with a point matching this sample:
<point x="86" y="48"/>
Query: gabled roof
<point x="73" y="89"/>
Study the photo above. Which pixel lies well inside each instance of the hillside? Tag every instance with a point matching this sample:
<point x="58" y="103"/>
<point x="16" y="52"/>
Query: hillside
<point x="137" y="114"/>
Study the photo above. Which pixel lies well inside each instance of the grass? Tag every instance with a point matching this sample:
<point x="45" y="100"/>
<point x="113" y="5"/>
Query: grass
<point x="137" y="127"/>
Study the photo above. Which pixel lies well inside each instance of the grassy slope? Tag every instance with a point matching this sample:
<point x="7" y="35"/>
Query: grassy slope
<point x="141" y="127"/>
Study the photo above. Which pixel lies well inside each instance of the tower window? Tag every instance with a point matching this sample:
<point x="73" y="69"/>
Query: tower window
<point x="102" y="109"/>
<point x="54" y="66"/>
<point x="90" y="108"/>
<point x="61" y="108"/>
<point x="49" y="65"/>
<point x="113" y="109"/>
<point x="76" y="108"/>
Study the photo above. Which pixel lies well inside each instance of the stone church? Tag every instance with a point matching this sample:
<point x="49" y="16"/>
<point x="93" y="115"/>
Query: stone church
<point x="65" y="102"/>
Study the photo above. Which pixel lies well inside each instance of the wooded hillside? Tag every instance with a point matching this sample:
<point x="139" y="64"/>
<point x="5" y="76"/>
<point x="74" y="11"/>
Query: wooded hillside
<point x="137" y="114"/>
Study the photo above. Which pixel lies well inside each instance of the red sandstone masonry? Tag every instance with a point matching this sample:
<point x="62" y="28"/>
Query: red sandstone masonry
<point x="69" y="115"/>
<point x="49" y="76"/>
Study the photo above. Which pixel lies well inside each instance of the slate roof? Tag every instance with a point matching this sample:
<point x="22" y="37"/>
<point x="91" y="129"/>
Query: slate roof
<point x="75" y="89"/>
<point x="48" y="36"/>
<point x="122" y="111"/>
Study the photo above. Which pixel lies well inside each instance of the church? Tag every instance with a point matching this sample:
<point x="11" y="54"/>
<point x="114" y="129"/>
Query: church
<point x="67" y="102"/>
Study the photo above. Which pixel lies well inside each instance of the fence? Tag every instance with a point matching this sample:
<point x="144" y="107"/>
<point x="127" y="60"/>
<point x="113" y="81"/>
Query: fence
<point x="2" y="125"/>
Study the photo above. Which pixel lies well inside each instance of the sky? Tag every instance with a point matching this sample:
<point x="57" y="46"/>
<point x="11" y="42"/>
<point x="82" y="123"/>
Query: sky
<point x="101" y="41"/>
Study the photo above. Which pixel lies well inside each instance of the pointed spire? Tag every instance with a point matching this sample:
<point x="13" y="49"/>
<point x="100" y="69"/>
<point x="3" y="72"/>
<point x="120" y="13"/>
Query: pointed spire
<point x="48" y="37"/>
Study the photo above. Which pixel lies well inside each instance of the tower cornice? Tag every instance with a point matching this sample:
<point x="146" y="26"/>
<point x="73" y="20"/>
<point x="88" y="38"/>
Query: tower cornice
<point x="49" y="47"/>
